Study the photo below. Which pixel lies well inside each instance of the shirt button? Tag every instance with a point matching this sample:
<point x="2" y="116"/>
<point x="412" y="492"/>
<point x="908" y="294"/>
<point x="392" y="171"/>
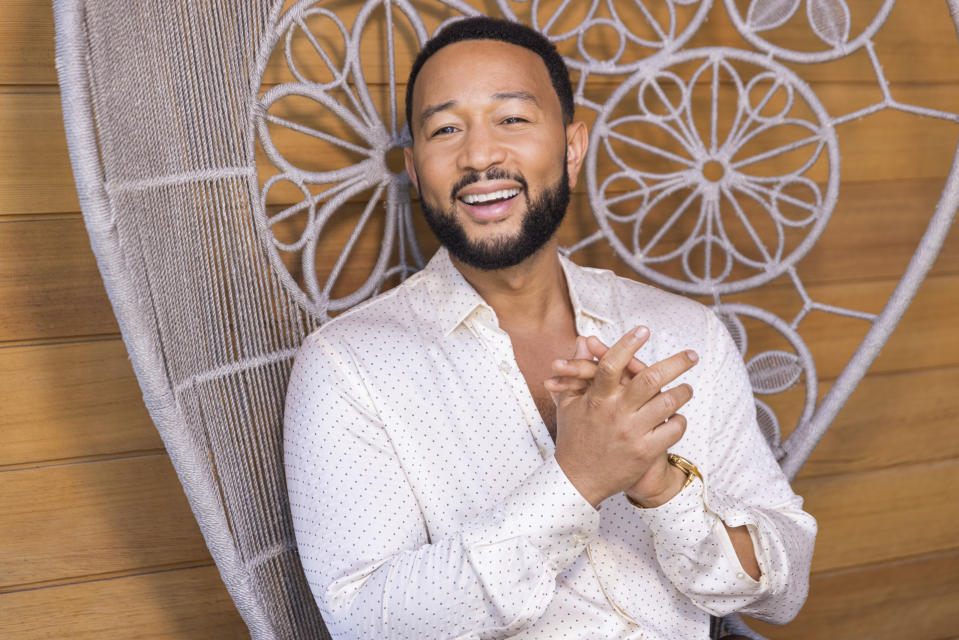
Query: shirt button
<point x="542" y="451"/>
<point x="504" y="366"/>
<point x="741" y="575"/>
<point x="580" y="539"/>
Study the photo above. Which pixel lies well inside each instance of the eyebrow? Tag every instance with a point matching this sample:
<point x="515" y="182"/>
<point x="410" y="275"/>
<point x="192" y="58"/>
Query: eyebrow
<point x="432" y="110"/>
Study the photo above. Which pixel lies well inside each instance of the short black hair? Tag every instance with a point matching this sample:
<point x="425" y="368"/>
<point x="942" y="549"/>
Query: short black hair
<point x="485" y="28"/>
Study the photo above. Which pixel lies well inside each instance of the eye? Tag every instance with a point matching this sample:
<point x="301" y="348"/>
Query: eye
<point x="442" y="131"/>
<point x="514" y="120"/>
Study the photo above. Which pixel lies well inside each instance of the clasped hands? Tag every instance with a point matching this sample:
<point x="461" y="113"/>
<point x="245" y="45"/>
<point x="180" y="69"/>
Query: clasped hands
<point x="614" y="421"/>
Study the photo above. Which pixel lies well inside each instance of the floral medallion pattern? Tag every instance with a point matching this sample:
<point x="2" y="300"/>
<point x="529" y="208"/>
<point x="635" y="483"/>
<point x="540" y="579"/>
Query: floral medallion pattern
<point x="664" y="155"/>
<point x="710" y="171"/>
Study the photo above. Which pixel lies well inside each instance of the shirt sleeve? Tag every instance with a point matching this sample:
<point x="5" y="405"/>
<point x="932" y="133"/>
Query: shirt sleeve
<point x="365" y="546"/>
<point x="743" y="485"/>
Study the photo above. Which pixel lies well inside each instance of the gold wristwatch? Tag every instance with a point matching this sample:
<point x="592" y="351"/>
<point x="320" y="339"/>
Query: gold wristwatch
<point x="683" y="465"/>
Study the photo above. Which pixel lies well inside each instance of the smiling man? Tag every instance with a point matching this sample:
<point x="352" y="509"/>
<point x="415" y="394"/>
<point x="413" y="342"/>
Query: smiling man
<point x="483" y="452"/>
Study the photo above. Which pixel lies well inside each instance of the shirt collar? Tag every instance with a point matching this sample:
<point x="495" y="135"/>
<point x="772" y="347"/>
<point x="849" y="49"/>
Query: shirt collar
<point x="586" y="297"/>
<point x="456" y="300"/>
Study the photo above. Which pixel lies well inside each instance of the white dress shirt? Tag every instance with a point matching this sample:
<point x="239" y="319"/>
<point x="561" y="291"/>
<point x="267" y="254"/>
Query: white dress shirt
<point x="427" y="502"/>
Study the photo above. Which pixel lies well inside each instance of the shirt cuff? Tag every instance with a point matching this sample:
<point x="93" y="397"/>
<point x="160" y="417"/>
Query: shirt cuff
<point x="681" y="525"/>
<point x="681" y="515"/>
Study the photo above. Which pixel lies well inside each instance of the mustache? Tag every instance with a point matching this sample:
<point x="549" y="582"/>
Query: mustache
<point x="493" y="173"/>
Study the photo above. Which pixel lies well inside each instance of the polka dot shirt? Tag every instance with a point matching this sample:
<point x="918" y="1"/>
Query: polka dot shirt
<point x="427" y="502"/>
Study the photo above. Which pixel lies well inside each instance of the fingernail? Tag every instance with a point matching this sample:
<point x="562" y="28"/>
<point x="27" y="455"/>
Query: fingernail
<point x="640" y="332"/>
<point x="692" y="355"/>
<point x="562" y="363"/>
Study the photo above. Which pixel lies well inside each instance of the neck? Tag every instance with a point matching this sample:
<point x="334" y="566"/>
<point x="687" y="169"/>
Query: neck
<point x="527" y="295"/>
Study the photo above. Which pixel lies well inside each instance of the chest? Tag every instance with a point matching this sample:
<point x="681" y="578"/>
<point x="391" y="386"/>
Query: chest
<point x="535" y="354"/>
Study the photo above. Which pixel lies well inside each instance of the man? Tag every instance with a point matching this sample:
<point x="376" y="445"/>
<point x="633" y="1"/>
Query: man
<point x="453" y="473"/>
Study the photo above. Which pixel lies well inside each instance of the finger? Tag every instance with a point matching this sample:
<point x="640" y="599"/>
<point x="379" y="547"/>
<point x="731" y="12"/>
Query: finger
<point x="664" y="405"/>
<point x="583" y="369"/>
<point x="597" y="350"/>
<point x="668" y="433"/>
<point x="610" y="368"/>
<point x="648" y="382"/>
<point x="564" y="384"/>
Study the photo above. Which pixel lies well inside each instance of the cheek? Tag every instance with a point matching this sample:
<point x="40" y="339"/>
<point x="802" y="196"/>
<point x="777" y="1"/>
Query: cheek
<point x="432" y="178"/>
<point x="544" y="163"/>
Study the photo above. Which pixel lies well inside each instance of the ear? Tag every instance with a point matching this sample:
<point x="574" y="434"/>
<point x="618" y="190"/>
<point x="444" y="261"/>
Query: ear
<point x="577" y="141"/>
<point x="410" y="167"/>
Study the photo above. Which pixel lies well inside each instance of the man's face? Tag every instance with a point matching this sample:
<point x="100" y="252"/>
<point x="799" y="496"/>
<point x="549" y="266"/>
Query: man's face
<point x="490" y="157"/>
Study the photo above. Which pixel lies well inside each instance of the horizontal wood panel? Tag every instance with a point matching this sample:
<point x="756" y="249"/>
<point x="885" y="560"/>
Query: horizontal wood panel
<point x="49" y="282"/>
<point x="49" y="277"/>
<point x="891" y="420"/>
<point x="862" y="516"/>
<point x="913" y="46"/>
<point x="907" y="44"/>
<point x="183" y="603"/>
<point x="36" y="177"/>
<point x="888" y="145"/>
<point x="97" y="517"/>
<point x="35" y="172"/>
<point x="912" y="598"/>
<point x="26" y="43"/>
<point x="872" y="234"/>
<point x="925" y="337"/>
<point x="72" y="400"/>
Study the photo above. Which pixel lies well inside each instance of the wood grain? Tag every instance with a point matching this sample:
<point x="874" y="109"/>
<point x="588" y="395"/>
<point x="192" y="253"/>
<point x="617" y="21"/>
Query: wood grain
<point x="911" y="598"/>
<point x="98" y="517"/>
<point x="912" y="46"/>
<point x="892" y="447"/>
<point x="891" y="420"/>
<point x="35" y="172"/>
<point x="49" y="282"/>
<point x="862" y="516"/>
<point x="36" y="177"/>
<point x="26" y="43"/>
<point x="872" y="234"/>
<point x="49" y="279"/>
<point x="72" y="400"/>
<point x="925" y="337"/>
<point x="183" y="603"/>
<point x="888" y="145"/>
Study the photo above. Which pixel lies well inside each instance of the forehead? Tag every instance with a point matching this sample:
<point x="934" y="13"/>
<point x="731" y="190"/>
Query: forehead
<point x="476" y="69"/>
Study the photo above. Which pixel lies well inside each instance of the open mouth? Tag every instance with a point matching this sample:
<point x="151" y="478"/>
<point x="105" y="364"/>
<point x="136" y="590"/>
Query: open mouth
<point x="494" y="197"/>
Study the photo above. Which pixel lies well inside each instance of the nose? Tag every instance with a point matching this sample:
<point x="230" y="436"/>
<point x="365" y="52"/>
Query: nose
<point x="480" y="150"/>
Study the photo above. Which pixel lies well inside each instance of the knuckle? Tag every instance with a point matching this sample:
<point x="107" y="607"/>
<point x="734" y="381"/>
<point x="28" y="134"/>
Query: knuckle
<point x="670" y="402"/>
<point x="651" y="378"/>
<point x="680" y="426"/>
<point x="606" y="367"/>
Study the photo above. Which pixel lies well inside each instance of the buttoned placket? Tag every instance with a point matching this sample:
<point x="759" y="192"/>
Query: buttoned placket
<point x="483" y="323"/>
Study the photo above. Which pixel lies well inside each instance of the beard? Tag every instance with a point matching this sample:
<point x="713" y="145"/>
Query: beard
<point x="540" y="221"/>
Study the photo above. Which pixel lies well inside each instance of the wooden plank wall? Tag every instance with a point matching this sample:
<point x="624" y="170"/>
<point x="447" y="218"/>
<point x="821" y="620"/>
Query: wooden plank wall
<point x="96" y="538"/>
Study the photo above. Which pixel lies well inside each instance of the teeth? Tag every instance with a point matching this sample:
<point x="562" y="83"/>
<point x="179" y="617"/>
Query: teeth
<point x="478" y="198"/>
